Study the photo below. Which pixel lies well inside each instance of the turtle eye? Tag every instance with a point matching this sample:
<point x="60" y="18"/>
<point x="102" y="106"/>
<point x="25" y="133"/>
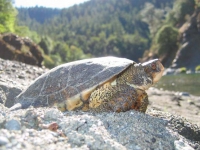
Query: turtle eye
<point x="153" y="66"/>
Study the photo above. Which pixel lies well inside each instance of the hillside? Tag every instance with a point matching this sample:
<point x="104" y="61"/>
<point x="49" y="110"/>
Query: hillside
<point x="97" y="28"/>
<point x="136" y="29"/>
<point x="39" y="14"/>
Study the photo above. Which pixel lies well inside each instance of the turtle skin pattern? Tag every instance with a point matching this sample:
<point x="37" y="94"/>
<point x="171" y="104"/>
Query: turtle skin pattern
<point x="118" y="99"/>
<point x="121" y="97"/>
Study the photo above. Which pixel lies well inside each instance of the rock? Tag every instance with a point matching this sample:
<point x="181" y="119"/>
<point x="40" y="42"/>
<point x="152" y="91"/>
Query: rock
<point x="13" y="125"/>
<point x="13" y="39"/>
<point x="53" y="114"/>
<point x="13" y="47"/>
<point x="169" y="71"/>
<point x="7" y="94"/>
<point x="3" y="140"/>
<point x="189" y="53"/>
<point x="197" y="71"/>
<point x="183" y="94"/>
<point x="180" y="125"/>
<point x="2" y="96"/>
<point x="14" y="77"/>
<point x="177" y="103"/>
<point x="86" y="130"/>
<point x="20" y="74"/>
<point x="180" y="145"/>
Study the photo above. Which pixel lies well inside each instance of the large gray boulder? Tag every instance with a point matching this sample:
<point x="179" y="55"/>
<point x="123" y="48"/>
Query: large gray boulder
<point x="28" y="129"/>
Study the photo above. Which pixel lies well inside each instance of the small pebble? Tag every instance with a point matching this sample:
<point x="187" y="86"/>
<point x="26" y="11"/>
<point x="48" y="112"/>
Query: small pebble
<point x="3" y="140"/>
<point x="21" y="77"/>
<point x="13" y="125"/>
<point x="184" y="94"/>
<point x="180" y="145"/>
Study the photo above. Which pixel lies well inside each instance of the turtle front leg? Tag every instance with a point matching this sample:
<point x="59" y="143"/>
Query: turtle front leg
<point x="144" y="101"/>
<point x="118" y="99"/>
<point x="129" y="98"/>
<point x="99" y="99"/>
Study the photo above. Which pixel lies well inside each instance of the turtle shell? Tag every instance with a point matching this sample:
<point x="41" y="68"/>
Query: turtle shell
<point x="71" y="80"/>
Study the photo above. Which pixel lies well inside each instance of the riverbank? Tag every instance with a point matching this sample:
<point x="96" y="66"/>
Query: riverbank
<point x="177" y="103"/>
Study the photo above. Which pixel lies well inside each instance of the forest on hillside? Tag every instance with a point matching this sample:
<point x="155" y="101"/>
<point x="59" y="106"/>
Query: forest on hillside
<point x="126" y="28"/>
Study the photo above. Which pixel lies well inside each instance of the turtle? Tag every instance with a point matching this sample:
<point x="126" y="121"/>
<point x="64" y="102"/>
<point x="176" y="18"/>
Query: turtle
<point x="95" y="84"/>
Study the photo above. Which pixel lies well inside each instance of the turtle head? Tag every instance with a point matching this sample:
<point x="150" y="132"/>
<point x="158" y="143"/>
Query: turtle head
<point x="154" y="69"/>
<point x="143" y="76"/>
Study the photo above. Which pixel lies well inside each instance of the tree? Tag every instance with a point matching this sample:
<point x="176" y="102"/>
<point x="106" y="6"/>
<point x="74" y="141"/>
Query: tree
<point x="75" y="53"/>
<point x="183" y="8"/>
<point x="7" y="16"/>
<point x="166" y="40"/>
<point x="153" y="17"/>
<point x="180" y="11"/>
<point x="62" y="49"/>
<point x="99" y="28"/>
<point x="46" y="44"/>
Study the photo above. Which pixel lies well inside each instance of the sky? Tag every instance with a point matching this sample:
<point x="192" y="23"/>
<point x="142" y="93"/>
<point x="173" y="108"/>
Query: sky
<point x="47" y="3"/>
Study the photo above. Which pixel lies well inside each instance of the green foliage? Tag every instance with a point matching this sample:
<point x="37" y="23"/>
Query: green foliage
<point x="46" y="44"/>
<point x="61" y="53"/>
<point x="197" y="68"/>
<point x="24" y="49"/>
<point x="8" y="21"/>
<point x="94" y="28"/>
<point x="62" y="50"/>
<point x="166" y="39"/>
<point x="48" y="62"/>
<point x="132" y="46"/>
<point x="197" y="2"/>
<point x="181" y="9"/>
<point x="56" y="59"/>
<point x="40" y="14"/>
<point x="75" y="53"/>
<point x="153" y="17"/>
<point x="7" y="16"/>
<point x="182" y="70"/>
<point x="51" y="61"/>
<point x="98" y="28"/>
<point x="68" y="54"/>
<point x="25" y="32"/>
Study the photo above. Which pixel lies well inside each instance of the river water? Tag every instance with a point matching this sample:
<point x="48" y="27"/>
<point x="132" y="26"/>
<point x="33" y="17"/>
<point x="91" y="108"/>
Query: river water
<point x="183" y="83"/>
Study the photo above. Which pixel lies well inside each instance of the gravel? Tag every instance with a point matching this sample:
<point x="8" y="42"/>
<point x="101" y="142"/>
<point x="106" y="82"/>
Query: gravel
<point x="15" y="77"/>
<point x="29" y="129"/>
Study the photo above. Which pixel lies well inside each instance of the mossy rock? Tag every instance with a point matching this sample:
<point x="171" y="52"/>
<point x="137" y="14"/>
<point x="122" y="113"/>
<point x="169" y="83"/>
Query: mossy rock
<point x="183" y="70"/>
<point x="197" y="68"/>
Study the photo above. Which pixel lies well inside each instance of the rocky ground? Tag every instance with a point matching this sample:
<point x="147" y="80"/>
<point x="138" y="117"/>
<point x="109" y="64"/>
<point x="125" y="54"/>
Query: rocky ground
<point x="177" y="103"/>
<point x="163" y="126"/>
